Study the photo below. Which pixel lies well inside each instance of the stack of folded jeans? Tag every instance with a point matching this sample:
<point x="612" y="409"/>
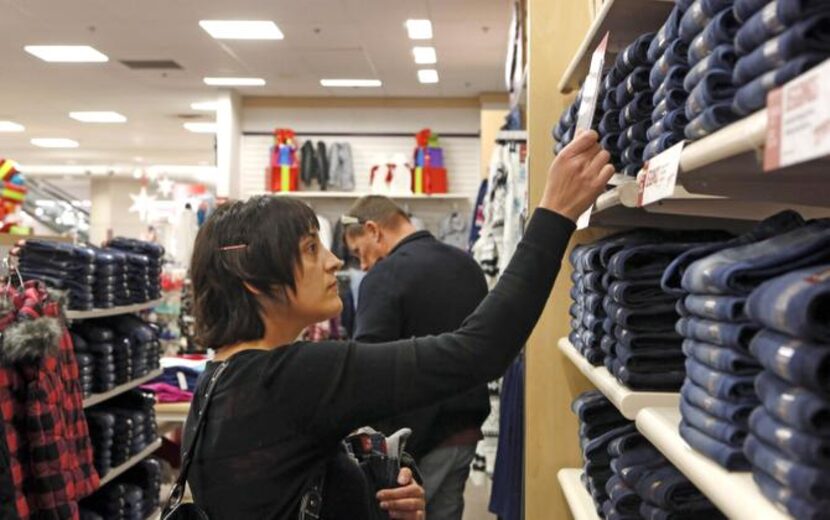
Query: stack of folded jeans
<point x="668" y="120"/>
<point x="586" y="310"/>
<point x="565" y="129"/>
<point x="61" y="266"/>
<point x="707" y="26"/>
<point x="147" y="476"/>
<point x="86" y="364"/>
<point x="599" y="424"/>
<point x="111" y="278"/>
<point x="789" y="442"/>
<point x="646" y="485"/>
<point x="723" y="280"/>
<point x="121" y="498"/>
<point x="102" y="434"/>
<point x="778" y="41"/>
<point x="144" y="265"/>
<point x="143" y="341"/>
<point x="112" y="364"/>
<point x="121" y="428"/>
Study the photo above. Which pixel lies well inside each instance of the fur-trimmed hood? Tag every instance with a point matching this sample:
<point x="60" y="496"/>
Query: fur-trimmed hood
<point x="28" y="340"/>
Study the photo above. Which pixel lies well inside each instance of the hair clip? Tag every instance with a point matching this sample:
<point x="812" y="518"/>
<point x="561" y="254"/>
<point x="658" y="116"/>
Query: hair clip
<point x="233" y="248"/>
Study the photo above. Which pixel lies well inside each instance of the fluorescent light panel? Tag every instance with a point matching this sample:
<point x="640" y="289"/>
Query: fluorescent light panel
<point x="11" y="126"/>
<point x="419" y="29"/>
<point x="206" y="106"/>
<point x="353" y="83"/>
<point x="66" y="53"/>
<point x="234" y="82"/>
<point x="201" y="128"/>
<point x="98" y="117"/>
<point x="428" y="76"/>
<point x="242" y="29"/>
<point x="54" y="142"/>
<point x="424" y="55"/>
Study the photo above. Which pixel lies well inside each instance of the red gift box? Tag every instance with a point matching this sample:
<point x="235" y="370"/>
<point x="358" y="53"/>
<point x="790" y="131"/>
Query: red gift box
<point x="435" y="180"/>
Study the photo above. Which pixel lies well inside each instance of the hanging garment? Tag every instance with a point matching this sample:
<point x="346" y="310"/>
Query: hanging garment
<point x="487" y="249"/>
<point x="478" y="215"/>
<point x="453" y="230"/>
<point x="516" y="210"/>
<point x="322" y="159"/>
<point x="309" y="167"/>
<point x="341" y="167"/>
<point x="508" y="478"/>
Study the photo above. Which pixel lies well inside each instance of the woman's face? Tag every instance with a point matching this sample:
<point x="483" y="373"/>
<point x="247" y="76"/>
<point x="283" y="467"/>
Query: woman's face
<point x="316" y="298"/>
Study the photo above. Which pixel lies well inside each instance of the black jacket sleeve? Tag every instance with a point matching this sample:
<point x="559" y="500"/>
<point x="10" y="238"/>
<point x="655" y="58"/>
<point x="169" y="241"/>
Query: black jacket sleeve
<point x="348" y="384"/>
<point x="378" y="316"/>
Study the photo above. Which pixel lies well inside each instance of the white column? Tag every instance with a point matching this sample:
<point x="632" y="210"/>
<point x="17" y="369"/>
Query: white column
<point x="228" y="142"/>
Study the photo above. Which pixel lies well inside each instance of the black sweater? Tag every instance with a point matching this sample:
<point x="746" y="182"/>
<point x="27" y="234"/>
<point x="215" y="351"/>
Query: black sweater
<point x="278" y="416"/>
<point x="424" y="287"/>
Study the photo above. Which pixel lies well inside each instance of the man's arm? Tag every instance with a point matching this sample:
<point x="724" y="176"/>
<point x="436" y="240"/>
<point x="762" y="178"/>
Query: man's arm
<point x="378" y="316"/>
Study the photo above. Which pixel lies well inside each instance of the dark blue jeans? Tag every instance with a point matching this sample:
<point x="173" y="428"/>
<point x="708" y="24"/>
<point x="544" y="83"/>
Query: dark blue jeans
<point x="774" y="19"/>
<point x="710" y="121"/>
<point x="664" y="380"/>
<point x="667" y="488"/>
<point x="795" y="361"/>
<point x="645" y="261"/>
<point x="698" y="16"/>
<point x="657" y="359"/>
<point x="597" y="449"/>
<point x="723" y="359"/>
<point x="634" y="340"/>
<point x="673" y="123"/>
<point x="666" y="35"/>
<point x="661" y="144"/>
<point x="720" y="30"/>
<point x="676" y="54"/>
<point x="806" y="37"/>
<point x="706" y="510"/>
<point x="794" y="406"/>
<point x="806" y="481"/>
<point x="634" y="83"/>
<point x="634" y="153"/>
<point x="674" y="99"/>
<point x="659" y="317"/>
<point x="784" y="498"/>
<point x="717" y="428"/>
<point x="674" y="80"/>
<point x="797" y="303"/>
<point x="635" y="54"/>
<point x="723" y="58"/>
<point x="592" y="407"/>
<point x="721" y="385"/>
<point x="634" y="293"/>
<point x="734" y="412"/>
<point x="725" y="334"/>
<point x="753" y="95"/>
<point x="716" y="307"/>
<point x="627" y="443"/>
<point x="739" y="270"/>
<point x="623" y="499"/>
<point x="801" y="447"/>
<point x="744" y="9"/>
<point x="639" y="109"/>
<point x="610" y="123"/>
<point x="728" y="457"/>
<point x="714" y="87"/>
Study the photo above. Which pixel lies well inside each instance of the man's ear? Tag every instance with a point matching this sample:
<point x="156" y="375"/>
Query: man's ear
<point x="373" y="229"/>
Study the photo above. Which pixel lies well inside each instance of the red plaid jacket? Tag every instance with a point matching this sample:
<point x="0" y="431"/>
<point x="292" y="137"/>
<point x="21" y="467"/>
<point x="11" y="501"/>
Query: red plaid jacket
<point x="52" y="445"/>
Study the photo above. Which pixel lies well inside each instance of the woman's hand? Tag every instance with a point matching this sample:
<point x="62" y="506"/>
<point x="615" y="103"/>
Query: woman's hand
<point x="577" y="176"/>
<point x="406" y="502"/>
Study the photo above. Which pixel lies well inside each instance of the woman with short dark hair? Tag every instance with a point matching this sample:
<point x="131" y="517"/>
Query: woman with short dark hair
<point x="281" y="407"/>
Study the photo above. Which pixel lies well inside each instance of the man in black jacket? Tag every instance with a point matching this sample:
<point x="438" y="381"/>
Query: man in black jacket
<point x="418" y="286"/>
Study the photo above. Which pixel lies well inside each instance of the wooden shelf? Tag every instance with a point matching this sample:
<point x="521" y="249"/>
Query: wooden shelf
<point x="135" y="459"/>
<point x="626" y="20"/>
<point x="115" y="311"/>
<point x="734" y="493"/>
<point x="172" y="412"/>
<point x="579" y="500"/>
<point x="94" y="399"/>
<point x="627" y="401"/>
<point x="356" y="195"/>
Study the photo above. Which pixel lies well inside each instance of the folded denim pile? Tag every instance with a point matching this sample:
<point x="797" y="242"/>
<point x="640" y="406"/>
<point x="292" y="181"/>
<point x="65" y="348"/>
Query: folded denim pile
<point x="144" y="264"/>
<point x="789" y="440"/>
<point x="565" y="129"/>
<point x="587" y="293"/>
<point x="721" y="388"/>
<point x="121" y="428"/>
<point x="778" y="40"/>
<point x="110" y="286"/>
<point x="61" y="266"/>
<point x="132" y="496"/>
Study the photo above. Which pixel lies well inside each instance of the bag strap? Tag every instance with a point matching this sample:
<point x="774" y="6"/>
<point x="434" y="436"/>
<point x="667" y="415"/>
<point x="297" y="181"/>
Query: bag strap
<point x="177" y="493"/>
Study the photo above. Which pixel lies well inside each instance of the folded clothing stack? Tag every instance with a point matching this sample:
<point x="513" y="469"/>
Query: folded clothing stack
<point x="133" y="495"/>
<point x="61" y="266"/>
<point x="96" y="356"/>
<point x="671" y="63"/>
<point x="111" y="284"/>
<point x="721" y="391"/>
<point x="709" y="28"/>
<point x="586" y="310"/>
<point x="143" y="338"/>
<point x="789" y="441"/>
<point x="777" y="41"/>
<point x="646" y="485"/>
<point x="599" y="424"/>
<point x="144" y="265"/>
<point x="565" y="129"/>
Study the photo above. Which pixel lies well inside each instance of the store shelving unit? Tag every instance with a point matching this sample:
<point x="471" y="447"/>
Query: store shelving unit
<point x="135" y="459"/>
<point x="627" y="401"/>
<point x="734" y="493"/>
<point x="357" y="195"/>
<point x="579" y="500"/>
<point x="94" y="399"/>
<point x="115" y="311"/>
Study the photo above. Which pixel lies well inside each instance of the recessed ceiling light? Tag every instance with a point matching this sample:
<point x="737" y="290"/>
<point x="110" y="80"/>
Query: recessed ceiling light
<point x="54" y="142"/>
<point x="242" y="29"/>
<point x="207" y="106"/>
<point x="11" y="126"/>
<point x="98" y="117"/>
<point x="419" y="29"/>
<point x="428" y="76"/>
<point x="424" y="55"/>
<point x="355" y="83"/>
<point x="66" y="53"/>
<point x="201" y="128"/>
<point x="235" y="82"/>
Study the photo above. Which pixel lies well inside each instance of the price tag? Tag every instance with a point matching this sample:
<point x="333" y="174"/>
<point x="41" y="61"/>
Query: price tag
<point x="798" y="122"/>
<point x="182" y="380"/>
<point x="658" y="178"/>
<point x="588" y="105"/>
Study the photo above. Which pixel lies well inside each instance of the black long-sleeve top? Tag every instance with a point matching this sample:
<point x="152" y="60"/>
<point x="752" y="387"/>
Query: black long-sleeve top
<point x="277" y="417"/>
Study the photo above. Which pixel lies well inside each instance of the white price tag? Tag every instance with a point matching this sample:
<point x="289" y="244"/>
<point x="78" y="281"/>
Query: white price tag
<point x="658" y="178"/>
<point x="798" y="123"/>
<point x="182" y="380"/>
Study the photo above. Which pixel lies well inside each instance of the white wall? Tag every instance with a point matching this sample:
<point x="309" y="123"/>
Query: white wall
<point x="110" y="209"/>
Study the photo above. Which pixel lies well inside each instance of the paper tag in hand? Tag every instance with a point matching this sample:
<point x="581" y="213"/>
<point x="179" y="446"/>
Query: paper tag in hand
<point x="658" y="179"/>
<point x="182" y="380"/>
<point x="590" y="89"/>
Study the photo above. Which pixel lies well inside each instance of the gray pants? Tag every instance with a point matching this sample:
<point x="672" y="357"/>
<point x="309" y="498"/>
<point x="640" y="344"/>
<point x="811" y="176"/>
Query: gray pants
<point x="445" y="472"/>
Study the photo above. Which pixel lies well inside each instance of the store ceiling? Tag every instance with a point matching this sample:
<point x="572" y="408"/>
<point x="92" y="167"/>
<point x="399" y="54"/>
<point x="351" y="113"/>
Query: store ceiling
<point x="323" y="38"/>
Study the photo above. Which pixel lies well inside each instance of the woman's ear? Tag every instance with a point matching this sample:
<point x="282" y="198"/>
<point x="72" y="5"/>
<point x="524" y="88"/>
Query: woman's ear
<point x="251" y="289"/>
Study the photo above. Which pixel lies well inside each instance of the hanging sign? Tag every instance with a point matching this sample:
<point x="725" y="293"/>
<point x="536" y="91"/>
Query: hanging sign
<point x="658" y="178"/>
<point x="588" y="106"/>
<point x="798" y="122"/>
